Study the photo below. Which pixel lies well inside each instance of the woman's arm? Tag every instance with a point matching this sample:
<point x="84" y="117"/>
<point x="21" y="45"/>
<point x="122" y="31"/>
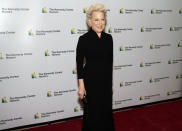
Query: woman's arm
<point x="111" y="39"/>
<point x="80" y="61"/>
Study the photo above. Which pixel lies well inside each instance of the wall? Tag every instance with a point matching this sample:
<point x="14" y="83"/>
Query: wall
<point x="38" y="38"/>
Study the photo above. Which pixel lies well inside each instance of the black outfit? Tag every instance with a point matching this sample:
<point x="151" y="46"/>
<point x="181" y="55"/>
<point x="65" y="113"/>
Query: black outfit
<point x="97" y="76"/>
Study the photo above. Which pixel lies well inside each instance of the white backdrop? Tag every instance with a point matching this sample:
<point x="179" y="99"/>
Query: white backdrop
<point x="38" y="38"/>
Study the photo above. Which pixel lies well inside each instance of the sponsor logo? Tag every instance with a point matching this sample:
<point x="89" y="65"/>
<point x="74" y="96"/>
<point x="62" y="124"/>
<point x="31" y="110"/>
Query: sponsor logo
<point x="150" y="29"/>
<point x="151" y="46"/>
<point x="84" y="10"/>
<point x="78" y="31"/>
<point x="13" y="10"/>
<point x="74" y="71"/>
<point x="9" y="77"/>
<point x="44" y="10"/>
<point x="1" y="56"/>
<point x="160" y="11"/>
<point x="118" y="102"/>
<point x="169" y="61"/>
<point x="174" y="61"/>
<point x="7" y="32"/>
<point x="179" y="45"/>
<point x="158" y="79"/>
<point x="121" y="11"/>
<point x="119" y="67"/>
<point x="4" y="100"/>
<point x="34" y="76"/>
<point x="151" y="80"/>
<point x="178" y="76"/>
<point x="76" y="109"/>
<point x="47" y="114"/>
<point x="119" y="30"/>
<point x="141" y="98"/>
<point x="47" y="53"/>
<point x="16" y="98"/>
<point x="15" y="55"/>
<point x="49" y="94"/>
<point x="130" y="11"/>
<point x="56" y="10"/>
<point x="180" y="11"/>
<point x="148" y="97"/>
<point x="142" y="29"/>
<point x="171" y="28"/>
<point x="158" y="46"/>
<point x="152" y="11"/>
<point x="175" y="28"/>
<point x="169" y="93"/>
<point x="59" y="93"/>
<point x="141" y="64"/>
<point x="46" y="74"/>
<point x="129" y="83"/>
<point x="109" y="30"/>
<point x="73" y="31"/>
<point x="121" y="48"/>
<point x="57" y="52"/>
<point x="121" y="84"/>
<point x="30" y="32"/>
<point x="147" y="64"/>
<point x="43" y="32"/>
<point x="36" y="116"/>
<point x="6" y="121"/>
<point x="129" y="48"/>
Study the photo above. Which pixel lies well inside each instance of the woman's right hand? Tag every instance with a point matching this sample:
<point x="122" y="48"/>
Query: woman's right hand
<point x="81" y="91"/>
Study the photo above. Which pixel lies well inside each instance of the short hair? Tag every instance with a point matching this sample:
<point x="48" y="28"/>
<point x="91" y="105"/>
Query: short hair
<point x="93" y="8"/>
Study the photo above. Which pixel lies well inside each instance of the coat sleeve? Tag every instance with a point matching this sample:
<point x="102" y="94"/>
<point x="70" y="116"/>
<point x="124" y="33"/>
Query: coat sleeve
<point x="111" y="55"/>
<point x="80" y="53"/>
<point x="111" y="40"/>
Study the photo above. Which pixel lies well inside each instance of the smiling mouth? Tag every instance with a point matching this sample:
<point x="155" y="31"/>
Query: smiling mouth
<point x="99" y="27"/>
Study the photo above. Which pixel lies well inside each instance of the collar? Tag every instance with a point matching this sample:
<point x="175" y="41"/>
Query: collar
<point x="94" y="34"/>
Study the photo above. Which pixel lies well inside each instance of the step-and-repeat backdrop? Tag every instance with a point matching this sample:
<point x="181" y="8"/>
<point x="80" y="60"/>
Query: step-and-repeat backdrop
<point x="38" y="81"/>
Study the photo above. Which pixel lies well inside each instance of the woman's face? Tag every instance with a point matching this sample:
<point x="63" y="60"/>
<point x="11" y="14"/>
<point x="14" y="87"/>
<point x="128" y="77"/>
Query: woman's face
<point x="98" y="21"/>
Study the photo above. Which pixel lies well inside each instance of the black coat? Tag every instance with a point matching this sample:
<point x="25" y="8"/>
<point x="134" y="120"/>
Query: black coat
<point x="97" y="76"/>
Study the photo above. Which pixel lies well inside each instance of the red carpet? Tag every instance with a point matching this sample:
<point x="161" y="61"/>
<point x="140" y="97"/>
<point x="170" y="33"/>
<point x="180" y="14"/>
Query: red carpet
<point x="160" y="117"/>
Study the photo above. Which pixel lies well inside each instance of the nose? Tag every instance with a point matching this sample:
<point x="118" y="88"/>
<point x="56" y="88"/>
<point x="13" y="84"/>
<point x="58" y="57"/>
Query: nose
<point x="100" y="22"/>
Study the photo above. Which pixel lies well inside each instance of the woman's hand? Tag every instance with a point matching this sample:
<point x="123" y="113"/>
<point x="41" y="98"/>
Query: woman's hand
<point x="81" y="89"/>
<point x="81" y="92"/>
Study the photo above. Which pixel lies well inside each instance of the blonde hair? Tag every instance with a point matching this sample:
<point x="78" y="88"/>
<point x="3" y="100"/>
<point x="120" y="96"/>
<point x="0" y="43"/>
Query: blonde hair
<point x="93" y="8"/>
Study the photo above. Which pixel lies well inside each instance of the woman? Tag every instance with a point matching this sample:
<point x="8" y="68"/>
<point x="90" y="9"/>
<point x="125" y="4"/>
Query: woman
<point x="95" y="75"/>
